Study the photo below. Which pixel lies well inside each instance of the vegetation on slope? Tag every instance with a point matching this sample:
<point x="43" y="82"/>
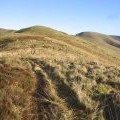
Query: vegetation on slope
<point x="4" y="32"/>
<point x="42" y="30"/>
<point x="49" y="75"/>
<point x="101" y="38"/>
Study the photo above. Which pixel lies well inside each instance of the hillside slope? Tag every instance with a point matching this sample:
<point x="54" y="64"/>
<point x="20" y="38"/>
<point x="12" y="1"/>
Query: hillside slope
<point x="116" y="37"/>
<point x="50" y="75"/>
<point x="101" y="38"/>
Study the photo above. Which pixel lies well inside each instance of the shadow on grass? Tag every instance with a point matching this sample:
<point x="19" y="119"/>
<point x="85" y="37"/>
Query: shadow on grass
<point x="5" y="42"/>
<point x="64" y="91"/>
<point x="115" y="85"/>
<point x="110" y="103"/>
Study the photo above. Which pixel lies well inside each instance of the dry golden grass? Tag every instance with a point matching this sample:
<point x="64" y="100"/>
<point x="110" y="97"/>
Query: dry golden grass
<point x="49" y="75"/>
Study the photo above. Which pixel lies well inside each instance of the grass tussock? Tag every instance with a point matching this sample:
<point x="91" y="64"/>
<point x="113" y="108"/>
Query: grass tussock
<point x="16" y="87"/>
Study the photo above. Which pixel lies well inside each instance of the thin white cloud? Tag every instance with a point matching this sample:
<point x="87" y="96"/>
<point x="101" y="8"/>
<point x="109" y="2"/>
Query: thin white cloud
<point x="113" y="17"/>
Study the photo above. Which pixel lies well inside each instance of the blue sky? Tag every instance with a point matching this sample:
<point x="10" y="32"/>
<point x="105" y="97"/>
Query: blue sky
<point x="71" y="16"/>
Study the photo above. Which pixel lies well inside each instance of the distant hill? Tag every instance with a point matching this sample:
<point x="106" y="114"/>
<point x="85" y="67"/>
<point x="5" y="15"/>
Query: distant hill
<point x="93" y="35"/>
<point x="116" y="37"/>
<point x="5" y="31"/>
<point x="41" y="30"/>
<point x="102" y="38"/>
